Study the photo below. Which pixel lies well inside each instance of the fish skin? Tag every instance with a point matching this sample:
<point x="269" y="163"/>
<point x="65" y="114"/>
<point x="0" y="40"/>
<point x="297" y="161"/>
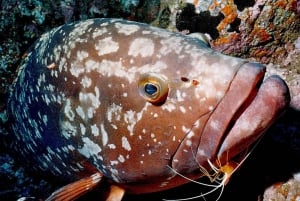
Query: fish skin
<point x="76" y="107"/>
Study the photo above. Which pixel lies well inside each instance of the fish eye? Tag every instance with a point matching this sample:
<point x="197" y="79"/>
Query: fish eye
<point x="153" y="88"/>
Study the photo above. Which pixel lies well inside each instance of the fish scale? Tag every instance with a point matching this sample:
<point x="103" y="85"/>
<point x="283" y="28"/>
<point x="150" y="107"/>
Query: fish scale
<point x="131" y="102"/>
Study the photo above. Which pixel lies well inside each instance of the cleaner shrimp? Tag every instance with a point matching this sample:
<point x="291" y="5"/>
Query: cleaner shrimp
<point x="219" y="174"/>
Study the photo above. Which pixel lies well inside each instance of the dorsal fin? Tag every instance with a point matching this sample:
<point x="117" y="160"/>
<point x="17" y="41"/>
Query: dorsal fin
<point x="76" y="189"/>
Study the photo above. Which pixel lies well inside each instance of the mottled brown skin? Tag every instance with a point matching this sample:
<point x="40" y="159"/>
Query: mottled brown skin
<point x="134" y="103"/>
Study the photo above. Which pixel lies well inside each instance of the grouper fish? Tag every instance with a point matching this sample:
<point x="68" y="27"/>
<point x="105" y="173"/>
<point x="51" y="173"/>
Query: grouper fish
<point x="137" y="106"/>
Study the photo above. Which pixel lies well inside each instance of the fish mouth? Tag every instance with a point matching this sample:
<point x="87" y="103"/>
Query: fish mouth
<point x="249" y="107"/>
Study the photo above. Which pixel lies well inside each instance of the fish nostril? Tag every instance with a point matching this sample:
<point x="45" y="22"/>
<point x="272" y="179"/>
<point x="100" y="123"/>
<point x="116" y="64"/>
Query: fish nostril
<point x="185" y="79"/>
<point x="195" y="82"/>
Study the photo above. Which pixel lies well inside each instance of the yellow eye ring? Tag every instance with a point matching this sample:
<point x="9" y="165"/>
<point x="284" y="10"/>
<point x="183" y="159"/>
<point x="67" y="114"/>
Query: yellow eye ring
<point x="153" y="88"/>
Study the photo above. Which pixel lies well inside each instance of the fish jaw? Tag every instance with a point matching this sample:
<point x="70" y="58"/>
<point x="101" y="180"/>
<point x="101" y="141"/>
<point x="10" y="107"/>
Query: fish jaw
<point x="242" y="116"/>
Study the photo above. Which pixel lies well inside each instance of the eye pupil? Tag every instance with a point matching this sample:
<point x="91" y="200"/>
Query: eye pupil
<point x="150" y="89"/>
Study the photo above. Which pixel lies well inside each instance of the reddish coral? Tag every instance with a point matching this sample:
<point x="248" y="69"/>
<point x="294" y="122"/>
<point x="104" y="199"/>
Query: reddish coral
<point x="281" y="3"/>
<point x="260" y="35"/>
<point x="226" y="39"/>
<point x="229" y="10"/>
<point x="230" y="14"/>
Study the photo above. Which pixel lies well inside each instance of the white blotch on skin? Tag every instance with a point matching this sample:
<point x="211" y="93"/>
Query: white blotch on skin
<point x="125" y="144"/>
<point x="90" y="112"/>
<point x="171" y="44"/>
<point x="112" y="146"/>
<point x="188" y="142"/>
<point x="201" y="152"/>
<point x="115" y="174"/>
<point x="180" y="96"/>
<point x="110" y="68"/>
<point x="68" y="110"/>
<point x="104" y="135"/>
<point x="106" y="46"/>
<point x="91" y="98"/>
<point x="45" y="119"/>
<point x="121" y="158"/>
<point x="71" y="147"/>
<point x="114" y="112"/>
<point x="75" y="69"/>
<point x="126" y="29"/>
<point x="114" y="126"/>
<point x="99" y="32"/>
<point x="141" y="46"/>
<point x="95" y="130"/>
<point x="41" y="79"/>
<point x="86" y="82"/>
<point x="169" y="107"/>
<point x="82" y="55"/>
<point x="82" y="129"/>
<point x="131" y="118"/>
<point x="68" y="129"/>
<point x="114" y="163"/>
<point x="216" y="125"/>
<point x="80" y="112"/>
<point x="191" y="134"/>
<point x="185" y="130"/>
<point x="89" y="148"/>
<point x="182" y="109"/>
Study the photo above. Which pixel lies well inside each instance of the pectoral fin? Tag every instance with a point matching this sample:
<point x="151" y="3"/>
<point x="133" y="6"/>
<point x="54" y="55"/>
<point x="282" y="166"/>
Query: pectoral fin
<point x="76" y="189"/>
